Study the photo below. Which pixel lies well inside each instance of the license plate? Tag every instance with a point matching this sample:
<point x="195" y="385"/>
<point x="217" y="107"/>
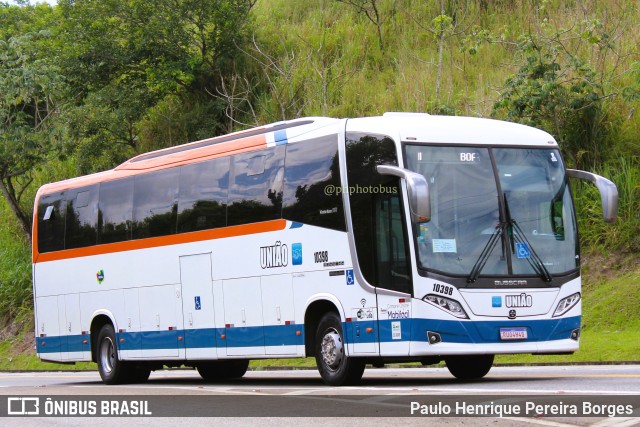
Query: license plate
<point x="513" y="334"/>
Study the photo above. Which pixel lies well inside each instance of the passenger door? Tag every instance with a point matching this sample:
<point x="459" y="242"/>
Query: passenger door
<point x="393" y="274"/>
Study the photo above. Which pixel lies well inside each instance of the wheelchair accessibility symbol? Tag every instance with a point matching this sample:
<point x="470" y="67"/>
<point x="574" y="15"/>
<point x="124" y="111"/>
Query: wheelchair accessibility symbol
<point x="350" y="277"/>
<point x="523" y="250"/>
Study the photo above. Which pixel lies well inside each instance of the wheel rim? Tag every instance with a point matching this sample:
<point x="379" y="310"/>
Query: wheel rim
<point x="107" y="355"/>
<point x="331" y="348"/>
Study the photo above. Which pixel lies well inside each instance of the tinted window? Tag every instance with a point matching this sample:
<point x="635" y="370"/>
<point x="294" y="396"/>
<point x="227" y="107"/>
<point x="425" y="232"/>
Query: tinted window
<point x="312" y="169"/>
<point x="154" y="203"/>
<point x="255" y="192"/>
<point x="116" y="203"/>
<point x="203" y="195"/>
<point x="51" y="224"/>
<point x="378" y="225"/>
<point x="82" y="217"/>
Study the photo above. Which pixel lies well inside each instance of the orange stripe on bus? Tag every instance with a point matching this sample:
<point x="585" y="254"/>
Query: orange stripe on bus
<point x="196" y="155"/>
<point x="194" y="144"/>
<point x="153" y="242"/>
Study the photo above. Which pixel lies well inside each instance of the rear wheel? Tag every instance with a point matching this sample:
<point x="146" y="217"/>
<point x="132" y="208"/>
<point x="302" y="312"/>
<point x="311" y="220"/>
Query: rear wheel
<point x="335" y="367"/>
<point x="223" y="370"/>
<point x="469" y="367"/>
<point x="112" y="369"/>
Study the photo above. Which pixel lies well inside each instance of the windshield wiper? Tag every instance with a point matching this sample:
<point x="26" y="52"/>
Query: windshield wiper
<point x="486" y="252"/>
<point x="515" y="234"/>
<point x="534" y="260"/>
<point x="520" y="238"/>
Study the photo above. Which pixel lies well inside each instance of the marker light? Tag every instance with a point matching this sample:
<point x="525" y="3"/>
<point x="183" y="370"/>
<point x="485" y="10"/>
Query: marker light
<point x="450" y="306"/>
<point x="566" y="304"/>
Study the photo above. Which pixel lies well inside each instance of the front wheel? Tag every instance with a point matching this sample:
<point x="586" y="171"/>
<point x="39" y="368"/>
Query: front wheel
<point x="469" y="367"/>
<point x="335" y="367"/>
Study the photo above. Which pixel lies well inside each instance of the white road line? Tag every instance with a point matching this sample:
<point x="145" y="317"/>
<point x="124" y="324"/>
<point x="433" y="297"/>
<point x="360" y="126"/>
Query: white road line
<point x="302" y="392"/>
<point x="449" y="390"/>
<point x="539" y="422"/>
<point x="618" y="422"/>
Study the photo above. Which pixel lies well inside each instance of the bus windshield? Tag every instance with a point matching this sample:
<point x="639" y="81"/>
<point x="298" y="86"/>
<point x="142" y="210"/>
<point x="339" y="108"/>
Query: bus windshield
<point x="520" y="222"/>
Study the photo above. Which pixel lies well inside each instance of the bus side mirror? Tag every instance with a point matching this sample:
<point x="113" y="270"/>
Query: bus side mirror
<point x="418" y="189"/>
<point x="608" y="192"/>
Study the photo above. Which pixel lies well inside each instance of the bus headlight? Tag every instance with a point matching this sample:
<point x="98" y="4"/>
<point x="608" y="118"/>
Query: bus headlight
<point x="447" y="304"/>
<point x="566" y="304"/>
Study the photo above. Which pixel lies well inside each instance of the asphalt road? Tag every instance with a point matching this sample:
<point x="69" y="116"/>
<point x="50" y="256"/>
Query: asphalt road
<point x="301" y="393"/>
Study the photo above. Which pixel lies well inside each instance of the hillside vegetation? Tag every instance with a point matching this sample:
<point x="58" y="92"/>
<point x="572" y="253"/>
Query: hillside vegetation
<point x="86" y="84"/>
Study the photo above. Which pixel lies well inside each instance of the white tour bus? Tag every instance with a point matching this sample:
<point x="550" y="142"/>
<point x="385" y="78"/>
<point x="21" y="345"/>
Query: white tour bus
<point x="406" y="237"/>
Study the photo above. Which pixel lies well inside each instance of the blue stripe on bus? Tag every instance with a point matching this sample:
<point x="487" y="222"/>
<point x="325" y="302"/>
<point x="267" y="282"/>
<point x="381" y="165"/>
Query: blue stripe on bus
<point x="280" y="137"/>
<point x="256" y="336"/>
<point x="479" y="332"/>
<point x="453" y="331"/>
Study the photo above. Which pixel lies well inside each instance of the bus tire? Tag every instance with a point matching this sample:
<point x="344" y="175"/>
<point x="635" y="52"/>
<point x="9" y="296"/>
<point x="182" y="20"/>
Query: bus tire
<point x="223" y="370"/>
<point x="469" y="367"/>
<point x="236" y="368"/>
<point x="138" y="375"/>
<point x="112" y="370"/>
<point x="335" y="367"/>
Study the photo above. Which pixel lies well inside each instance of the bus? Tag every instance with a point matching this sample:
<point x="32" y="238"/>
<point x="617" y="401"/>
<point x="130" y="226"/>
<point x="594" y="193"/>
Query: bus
<point x="401" y="238"/>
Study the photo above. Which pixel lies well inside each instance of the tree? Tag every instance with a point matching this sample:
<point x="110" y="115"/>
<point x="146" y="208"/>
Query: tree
<point x="30" y="88"/>
<point x="372" y="10"/>
<point x="570" y="76"/>
<point x="129" y="57"/>
<point x="561" y="94"/>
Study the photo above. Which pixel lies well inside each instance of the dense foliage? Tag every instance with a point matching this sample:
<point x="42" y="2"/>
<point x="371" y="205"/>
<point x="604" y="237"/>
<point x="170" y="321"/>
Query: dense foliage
<point x="86" y="84"/>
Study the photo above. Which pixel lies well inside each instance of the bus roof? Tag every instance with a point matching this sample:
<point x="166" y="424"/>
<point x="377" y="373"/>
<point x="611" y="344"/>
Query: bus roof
<point x="409" y="127"/>
<point x="425" y="128"/>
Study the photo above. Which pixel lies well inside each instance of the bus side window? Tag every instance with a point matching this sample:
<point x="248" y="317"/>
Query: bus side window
<point x="154" y="203"/>
<point x="51" y="224"/>
<point x="204" y="188"/>
<point x="115" y="211"/>
<point x="82" y="217"/>
<point x="378" y="225"/>
<point x="311" y="168"/>
<point x="255" y="190"/>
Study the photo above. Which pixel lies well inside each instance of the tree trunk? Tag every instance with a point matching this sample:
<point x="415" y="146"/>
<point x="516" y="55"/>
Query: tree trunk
<point x="23" y="218"/>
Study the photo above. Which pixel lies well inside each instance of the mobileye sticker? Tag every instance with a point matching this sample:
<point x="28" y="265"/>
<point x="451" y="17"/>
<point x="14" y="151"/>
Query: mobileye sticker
<point x="351" y="280"/>
<point x="423" y="232"/>
<point x="296" y="253"/>
<point x="100" y="277"/>
<point x="496" y="301"/>
<point x="523" y="250"/>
